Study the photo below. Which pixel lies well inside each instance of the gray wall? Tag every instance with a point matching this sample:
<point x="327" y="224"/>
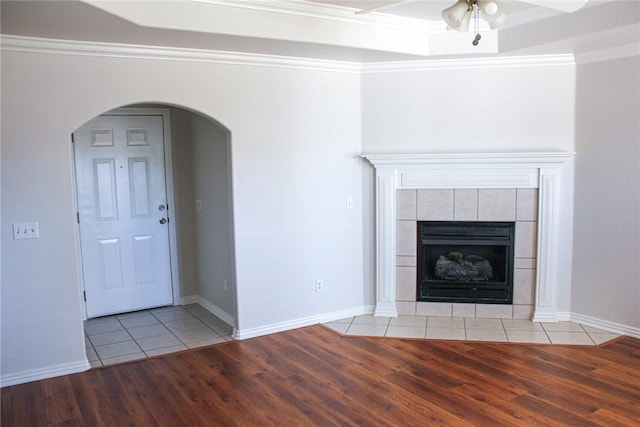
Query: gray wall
<point x="201" y="171"/>
<point x="213" y="221"/>
<point x="606" y="263"/>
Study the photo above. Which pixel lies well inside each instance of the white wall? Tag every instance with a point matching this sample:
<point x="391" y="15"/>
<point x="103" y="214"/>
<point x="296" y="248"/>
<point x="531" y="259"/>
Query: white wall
<point x="486" y="107"/>
<point x="490" y="108"/>
<point x="296" y="134"/>
<point x="606" y="263"/>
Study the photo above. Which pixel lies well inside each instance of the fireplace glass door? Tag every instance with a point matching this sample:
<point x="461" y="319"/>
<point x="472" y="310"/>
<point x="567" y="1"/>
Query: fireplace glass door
<point x="467" y="262"/>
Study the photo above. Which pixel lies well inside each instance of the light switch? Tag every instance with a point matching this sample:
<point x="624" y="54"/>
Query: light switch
<point x="26" y="230"/>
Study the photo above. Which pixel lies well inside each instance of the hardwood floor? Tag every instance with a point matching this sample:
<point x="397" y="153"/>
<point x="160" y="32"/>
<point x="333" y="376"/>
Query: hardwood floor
<point x="314" y="377"/>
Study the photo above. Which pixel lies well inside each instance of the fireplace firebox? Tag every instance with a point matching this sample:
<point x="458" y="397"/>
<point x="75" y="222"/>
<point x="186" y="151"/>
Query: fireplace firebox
<point x="465" y="261"/>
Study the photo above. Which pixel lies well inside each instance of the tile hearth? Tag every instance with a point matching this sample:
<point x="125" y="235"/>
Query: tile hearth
<point x="471" y="329"/>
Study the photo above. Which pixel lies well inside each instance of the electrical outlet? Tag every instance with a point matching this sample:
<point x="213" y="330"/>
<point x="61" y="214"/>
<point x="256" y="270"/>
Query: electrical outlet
<point x="319" y="285"/>
<point x="26" y="230"/>
<point x="349" y="203"/>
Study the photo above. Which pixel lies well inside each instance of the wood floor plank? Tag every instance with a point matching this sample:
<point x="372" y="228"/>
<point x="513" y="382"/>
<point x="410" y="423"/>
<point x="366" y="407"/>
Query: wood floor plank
<point x="315" y="377"/>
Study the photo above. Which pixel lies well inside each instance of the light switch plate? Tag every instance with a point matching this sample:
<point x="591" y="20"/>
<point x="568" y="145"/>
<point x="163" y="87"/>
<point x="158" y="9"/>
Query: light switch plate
<point x="26" y="230"/>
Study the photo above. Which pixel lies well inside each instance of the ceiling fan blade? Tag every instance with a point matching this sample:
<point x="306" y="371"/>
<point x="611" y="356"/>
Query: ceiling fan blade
<point x="383" y="6"/>
<point x="562" y="5"/>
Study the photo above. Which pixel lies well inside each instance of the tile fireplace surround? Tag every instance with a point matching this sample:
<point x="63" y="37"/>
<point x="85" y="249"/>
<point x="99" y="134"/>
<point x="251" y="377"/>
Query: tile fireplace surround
<point x="521" y="187"/>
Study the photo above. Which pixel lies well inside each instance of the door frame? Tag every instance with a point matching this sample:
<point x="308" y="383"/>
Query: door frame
<point x="171" y="211"/>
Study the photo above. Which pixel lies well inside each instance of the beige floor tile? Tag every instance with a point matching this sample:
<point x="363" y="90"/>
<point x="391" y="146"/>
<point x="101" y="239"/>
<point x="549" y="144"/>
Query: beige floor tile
<point x="117" y="349"/>
<point x="535" y="337"/>
<point x="341" y="328"/>
<point x="211" y="320"/>
<point x="473" y="323"/>
<point x="486" y="335"/>
<point x="133" y="314"/>
<point x="109" y="338"/>
<point x="173" y="315"/>
<point x="420" y="321"/>
<point x="367" y="329"/>
<point x="198" y="334"/>
<point x="445" y="322"/>
<point x="590" y="329"/>
<point x="125" y="358"/>
<point x="206" y="342"/>
<point x="167" y="308"/>
<point x="95" y="363"/>
<point x="406" y="331"/>
<point x="445" y="333"/>
<point x="91" y="354"/>
<point x="102" y="325"/>
<point x="521" y="325"/>
<point x="368" y="319"/>
<point x="602" y="337"/>
<point x="158" y="341"/>
<point x="148" y="331"/>
<point x="562" y="337"/>
<point x="184" y="324"/>
<point x="142" y="320"/>
<point x="562" y="327"/>
<point x="199" y="311"/>
<point x="166" y="350"/>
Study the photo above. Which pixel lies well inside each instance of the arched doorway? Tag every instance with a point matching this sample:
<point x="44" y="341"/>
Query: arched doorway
<point x="202" y="250"/>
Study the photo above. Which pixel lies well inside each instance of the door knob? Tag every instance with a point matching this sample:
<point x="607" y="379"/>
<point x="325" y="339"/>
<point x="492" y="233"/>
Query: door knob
<point x="161" y="208"/>
<point x="163" y="221"/>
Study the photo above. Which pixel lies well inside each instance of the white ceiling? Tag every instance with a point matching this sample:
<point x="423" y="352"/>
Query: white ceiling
<point x="322" y="29"/>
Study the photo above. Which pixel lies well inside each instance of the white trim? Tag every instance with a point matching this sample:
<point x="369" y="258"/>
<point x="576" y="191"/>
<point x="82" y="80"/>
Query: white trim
<point x="12" y="43"/>
<point x="301" y="322"/>
<point x="485" y="170"/>
<point x="116" y="50"/>
<point x="606" y="325"/>
<point x="44" y="373"/>
<point x="618" y="52"/>
<point x="470" y="63"/>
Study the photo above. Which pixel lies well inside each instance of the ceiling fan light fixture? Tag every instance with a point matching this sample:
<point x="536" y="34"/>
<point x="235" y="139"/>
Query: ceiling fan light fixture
<point x="492" y="11"/>
<point x="455" y="15"/>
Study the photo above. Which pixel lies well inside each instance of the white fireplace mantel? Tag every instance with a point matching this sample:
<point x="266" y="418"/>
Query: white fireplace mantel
<point x="474" y="170"/>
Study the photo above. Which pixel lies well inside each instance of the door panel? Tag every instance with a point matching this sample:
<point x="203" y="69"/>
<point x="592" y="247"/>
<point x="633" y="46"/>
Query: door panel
<point x="122" y="209"/>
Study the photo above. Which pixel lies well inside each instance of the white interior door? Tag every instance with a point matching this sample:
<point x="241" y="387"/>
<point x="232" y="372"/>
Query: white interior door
<point x="122" y="205"/>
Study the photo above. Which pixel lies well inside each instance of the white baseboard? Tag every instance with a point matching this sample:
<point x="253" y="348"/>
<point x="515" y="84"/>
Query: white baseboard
<point x="301" y="322"/>
<point x="606" y="325"/>
<point x="197" y="299"/>
<point x="44" y="373"/>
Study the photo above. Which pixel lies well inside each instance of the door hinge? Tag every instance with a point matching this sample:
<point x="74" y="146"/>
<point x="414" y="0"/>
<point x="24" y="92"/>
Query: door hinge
<point x="78" y="217"/>
<point x="84" y="295"/>
<point x="73" y="139"/>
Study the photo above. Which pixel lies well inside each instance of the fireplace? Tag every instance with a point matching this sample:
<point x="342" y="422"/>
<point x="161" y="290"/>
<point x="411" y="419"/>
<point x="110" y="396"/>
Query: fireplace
<point x="542" y="253"/>
<point x="465" y="261"/>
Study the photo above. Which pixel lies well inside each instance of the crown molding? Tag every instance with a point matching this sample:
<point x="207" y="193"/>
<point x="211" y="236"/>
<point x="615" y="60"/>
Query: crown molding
<point x="610" y="54"/>
<point x="470" y="63"/>
<point x="114" y="50"/>
<point x="10" y="43"/>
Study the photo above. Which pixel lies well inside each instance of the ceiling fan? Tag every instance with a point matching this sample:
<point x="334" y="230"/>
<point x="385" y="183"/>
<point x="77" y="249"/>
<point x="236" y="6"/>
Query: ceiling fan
<point x="458" y="16"/>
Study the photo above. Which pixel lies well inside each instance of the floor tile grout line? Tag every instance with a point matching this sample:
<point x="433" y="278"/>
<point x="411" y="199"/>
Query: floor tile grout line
<point x="128" y="332"/>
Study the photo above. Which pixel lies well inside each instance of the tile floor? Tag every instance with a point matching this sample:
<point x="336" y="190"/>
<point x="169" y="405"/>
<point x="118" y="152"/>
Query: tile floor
<point x="141" y="334"/>
<point x="472" y="329"/>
